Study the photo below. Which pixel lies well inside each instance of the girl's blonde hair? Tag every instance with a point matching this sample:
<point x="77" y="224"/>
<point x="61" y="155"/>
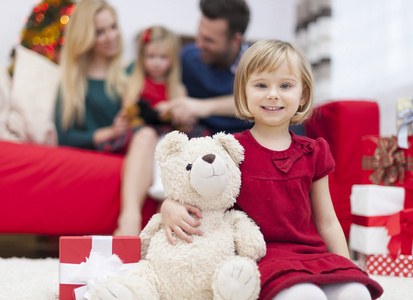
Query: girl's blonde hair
<point x="155" y="34"/>
<point x="267" y="55"/>
<point x="80" y="35"/>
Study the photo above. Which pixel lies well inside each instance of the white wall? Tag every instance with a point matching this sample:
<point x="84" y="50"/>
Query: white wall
<point x="372" y="54"/>
<point x="269" y="19"/>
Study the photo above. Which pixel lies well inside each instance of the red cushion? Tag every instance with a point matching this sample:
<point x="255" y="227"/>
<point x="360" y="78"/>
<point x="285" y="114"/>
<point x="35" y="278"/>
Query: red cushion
<point x="59" y="190"/>
<point x="343" y="124"/>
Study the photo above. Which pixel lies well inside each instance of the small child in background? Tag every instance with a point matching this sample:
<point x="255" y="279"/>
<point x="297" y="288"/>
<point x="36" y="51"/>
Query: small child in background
<point x="156" y="78"/>
<point x="156" y="73"/>
<point x="285" y="184"/>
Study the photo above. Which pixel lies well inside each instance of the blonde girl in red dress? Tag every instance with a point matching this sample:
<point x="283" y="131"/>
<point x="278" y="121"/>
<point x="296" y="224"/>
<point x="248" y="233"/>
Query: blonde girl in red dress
<point x="285" y="184"/>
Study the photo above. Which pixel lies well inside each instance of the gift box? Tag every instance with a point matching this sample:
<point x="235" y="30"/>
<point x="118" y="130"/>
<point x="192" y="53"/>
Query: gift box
<point x="86" y="261"/>
<point x="371" y="205"/>
<point x="384" y="163"/>
<point x="404" y="120"/>
<point x="386" y="265"/>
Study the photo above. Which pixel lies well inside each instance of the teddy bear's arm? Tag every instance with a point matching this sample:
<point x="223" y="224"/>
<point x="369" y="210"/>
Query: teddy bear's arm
<point x="154" y="224"/>
<point x="248" y="238"/>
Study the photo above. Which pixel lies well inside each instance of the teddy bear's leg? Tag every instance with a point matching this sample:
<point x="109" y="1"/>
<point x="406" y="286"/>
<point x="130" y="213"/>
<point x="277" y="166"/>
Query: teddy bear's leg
<point x="237" y="279"/>
<point x="139" y="283"/>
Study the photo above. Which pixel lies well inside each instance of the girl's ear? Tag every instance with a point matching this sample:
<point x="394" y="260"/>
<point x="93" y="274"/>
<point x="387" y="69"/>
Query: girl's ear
<point x="304" y="96"/>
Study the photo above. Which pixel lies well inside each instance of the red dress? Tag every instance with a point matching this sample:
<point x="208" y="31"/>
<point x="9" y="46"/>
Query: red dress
<point x="275" y="194"/>
<point x="153" y="92"/>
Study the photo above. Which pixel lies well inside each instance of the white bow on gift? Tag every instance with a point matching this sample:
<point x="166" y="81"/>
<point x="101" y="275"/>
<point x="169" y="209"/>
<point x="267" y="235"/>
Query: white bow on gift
<point x="94" y="271"/>
<point x="406" y="115"/>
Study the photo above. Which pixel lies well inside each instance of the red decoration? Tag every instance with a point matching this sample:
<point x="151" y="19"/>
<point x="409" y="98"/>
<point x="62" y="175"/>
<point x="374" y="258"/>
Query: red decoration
<point x="75" y="250"/>
<point x="385" y="265"/>
<point x="384" y="163"/>
<point x="146" y="37"/>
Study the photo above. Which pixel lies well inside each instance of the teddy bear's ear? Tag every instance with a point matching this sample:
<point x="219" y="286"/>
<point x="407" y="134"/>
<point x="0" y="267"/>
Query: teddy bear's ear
<point x="173" y="143"/>
<point x="231" y="145"/>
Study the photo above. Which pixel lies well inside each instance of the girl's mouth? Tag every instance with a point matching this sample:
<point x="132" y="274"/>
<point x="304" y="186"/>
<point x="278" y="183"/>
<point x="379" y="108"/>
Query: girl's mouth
<point x="272" y="107"/>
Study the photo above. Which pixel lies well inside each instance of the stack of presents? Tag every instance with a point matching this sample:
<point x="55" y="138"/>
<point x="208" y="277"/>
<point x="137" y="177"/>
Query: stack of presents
<point x="381" y="232"/>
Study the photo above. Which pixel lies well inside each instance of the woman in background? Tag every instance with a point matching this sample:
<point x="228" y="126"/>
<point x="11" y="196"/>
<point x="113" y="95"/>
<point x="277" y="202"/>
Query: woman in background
<point x="88" y="110"/>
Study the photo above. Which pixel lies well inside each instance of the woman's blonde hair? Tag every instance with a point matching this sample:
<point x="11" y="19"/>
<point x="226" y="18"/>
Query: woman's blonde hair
<point x="80" y="35"/>
<point x="155" y="34"/>
<point x="267" y="55"/>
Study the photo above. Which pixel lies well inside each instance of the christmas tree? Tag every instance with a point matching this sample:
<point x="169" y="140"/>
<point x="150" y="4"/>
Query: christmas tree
<point x="44" y="28"/>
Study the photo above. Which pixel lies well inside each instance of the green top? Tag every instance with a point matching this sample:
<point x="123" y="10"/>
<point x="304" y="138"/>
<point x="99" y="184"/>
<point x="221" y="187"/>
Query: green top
<point x="100" y="111"/>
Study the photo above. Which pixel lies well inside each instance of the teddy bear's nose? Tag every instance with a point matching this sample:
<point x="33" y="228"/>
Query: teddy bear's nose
<point x="209" y="158"/>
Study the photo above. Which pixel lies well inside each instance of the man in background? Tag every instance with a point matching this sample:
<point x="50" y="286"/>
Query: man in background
<point x="209" y="65"/>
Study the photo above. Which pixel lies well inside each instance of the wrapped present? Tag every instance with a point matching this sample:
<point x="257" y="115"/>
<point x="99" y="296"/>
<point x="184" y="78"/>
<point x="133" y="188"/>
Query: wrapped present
<point x="384" y="163"/>
<point x="386" y="265"/>
<point x="404" y="120"/>
<point x="371" y="205"/>
<point x="86" y="261"/>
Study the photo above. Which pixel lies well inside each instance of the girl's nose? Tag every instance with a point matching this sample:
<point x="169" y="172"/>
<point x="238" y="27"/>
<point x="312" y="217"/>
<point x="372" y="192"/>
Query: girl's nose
<point x="272" y="95"/>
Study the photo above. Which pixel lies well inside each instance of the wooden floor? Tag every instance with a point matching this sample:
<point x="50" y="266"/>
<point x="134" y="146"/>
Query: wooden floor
<point x="30" y="246"/>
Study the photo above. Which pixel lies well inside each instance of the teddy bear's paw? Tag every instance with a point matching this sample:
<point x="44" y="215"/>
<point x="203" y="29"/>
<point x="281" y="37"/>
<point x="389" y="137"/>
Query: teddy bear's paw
<point x="238" y="279"/>
<point x="113" y="291"/>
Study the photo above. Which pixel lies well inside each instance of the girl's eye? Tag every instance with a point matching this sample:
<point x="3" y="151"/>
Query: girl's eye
<point x="261" y="86"/>
<point x="99" y="32"/>
<point x="285" y="86"/>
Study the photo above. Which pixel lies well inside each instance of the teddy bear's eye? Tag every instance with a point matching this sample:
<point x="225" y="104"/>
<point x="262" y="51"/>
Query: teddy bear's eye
<point x="189" y="167"/>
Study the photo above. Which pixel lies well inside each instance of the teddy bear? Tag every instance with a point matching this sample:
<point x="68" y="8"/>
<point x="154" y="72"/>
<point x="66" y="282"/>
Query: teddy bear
<point x="141" y="113"/>
<point x="220" y="264"/>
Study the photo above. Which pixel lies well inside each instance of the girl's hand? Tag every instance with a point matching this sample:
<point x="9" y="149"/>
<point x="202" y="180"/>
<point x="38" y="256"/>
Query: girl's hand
<point x="176" y="218"/>
<point x="120" y="123"/>
<point x="163" y="108"/>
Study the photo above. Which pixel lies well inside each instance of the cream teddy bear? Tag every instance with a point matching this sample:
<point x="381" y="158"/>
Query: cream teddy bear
<point x="220" y="264"/>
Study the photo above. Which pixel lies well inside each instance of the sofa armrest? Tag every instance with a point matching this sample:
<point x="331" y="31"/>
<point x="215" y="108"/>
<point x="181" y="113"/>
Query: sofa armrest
<point x="342" y="124"/>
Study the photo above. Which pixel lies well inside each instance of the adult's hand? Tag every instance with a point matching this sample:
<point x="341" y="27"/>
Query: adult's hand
<point x="120" y="123"/>
<point x="186" y="110"/>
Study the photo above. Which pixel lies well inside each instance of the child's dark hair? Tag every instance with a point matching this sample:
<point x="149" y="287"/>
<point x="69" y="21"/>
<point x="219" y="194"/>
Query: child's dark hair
<point x="236" y="12"/>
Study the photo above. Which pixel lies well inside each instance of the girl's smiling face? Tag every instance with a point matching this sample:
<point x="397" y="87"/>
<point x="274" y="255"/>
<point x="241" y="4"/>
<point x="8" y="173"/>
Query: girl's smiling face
<point x="274" y="97"/>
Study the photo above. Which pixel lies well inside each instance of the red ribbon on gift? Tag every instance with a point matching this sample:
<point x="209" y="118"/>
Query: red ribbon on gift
<point x="400" y="228"/>
<point x="387" y="163"/>
<point x="372" y="221"/>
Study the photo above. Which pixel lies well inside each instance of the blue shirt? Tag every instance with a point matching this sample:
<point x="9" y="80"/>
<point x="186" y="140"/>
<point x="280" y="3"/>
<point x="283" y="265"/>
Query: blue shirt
<point x="205" y="81"/>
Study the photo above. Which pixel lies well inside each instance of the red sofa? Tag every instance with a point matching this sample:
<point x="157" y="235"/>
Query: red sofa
<point x="60" y="191"/>
<point x="65" y="191"/>
<point x="342" y="124"/>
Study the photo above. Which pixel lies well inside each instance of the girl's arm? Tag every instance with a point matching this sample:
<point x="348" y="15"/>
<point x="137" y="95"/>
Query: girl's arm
<point x="325" y="218"/>
<point x="176" y="218"/>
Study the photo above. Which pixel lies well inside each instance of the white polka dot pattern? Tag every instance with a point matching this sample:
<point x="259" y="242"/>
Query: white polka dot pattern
<point x="385" y="265"/>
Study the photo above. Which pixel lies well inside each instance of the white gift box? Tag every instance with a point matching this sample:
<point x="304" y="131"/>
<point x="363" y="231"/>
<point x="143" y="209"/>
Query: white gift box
<point x="368" y="202"/>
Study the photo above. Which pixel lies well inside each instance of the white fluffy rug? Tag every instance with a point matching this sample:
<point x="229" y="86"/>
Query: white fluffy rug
<point x="38" y="279"/>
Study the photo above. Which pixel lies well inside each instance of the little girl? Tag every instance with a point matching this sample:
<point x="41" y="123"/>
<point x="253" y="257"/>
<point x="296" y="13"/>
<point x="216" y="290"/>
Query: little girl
<point x="285" y="184"/>
<point x="156" y="78"/>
